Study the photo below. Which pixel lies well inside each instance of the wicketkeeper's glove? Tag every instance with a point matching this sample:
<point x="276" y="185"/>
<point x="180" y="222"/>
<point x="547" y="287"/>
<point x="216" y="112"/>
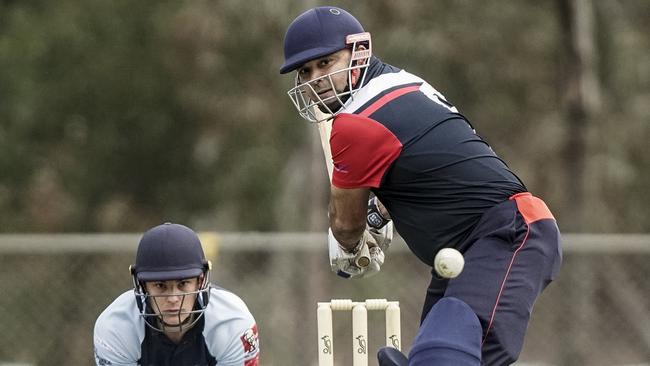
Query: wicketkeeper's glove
<point x="344" y="263"/>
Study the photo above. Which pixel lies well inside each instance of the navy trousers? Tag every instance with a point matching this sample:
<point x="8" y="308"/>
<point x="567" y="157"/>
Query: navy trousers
<point x="512" y="254"/>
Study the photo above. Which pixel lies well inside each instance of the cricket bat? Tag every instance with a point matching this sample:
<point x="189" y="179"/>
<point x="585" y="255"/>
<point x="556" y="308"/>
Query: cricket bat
<point x="325" y="131"/>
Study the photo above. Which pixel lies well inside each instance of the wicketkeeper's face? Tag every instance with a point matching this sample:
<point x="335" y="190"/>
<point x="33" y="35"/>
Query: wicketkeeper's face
<point x="173" y="300"/>
<point x="327" y="76"/>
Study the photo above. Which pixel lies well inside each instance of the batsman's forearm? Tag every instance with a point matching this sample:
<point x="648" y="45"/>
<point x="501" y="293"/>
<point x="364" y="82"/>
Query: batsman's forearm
<point x="347" y="234"/>
<point x="347" y="212"/>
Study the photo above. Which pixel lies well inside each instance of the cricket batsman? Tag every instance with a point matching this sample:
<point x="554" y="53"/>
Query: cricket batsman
<point x="433" y="177"/>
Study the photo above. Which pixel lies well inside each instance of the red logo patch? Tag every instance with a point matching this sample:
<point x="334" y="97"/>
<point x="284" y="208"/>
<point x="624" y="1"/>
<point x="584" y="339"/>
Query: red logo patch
<point x="251" y="345"/>
<point x="252" y="361"/>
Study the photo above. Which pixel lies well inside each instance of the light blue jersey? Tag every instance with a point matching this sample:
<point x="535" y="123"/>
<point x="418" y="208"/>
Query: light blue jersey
<point x="226" y="334"/>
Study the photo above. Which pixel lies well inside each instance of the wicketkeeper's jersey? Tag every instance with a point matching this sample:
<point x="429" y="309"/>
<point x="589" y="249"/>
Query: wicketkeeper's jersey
<point x="225" y="335"/>
<point x="421" y="157"/>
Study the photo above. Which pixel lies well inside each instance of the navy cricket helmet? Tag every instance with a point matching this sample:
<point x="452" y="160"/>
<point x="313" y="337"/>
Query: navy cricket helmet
<point x="170" y="252"/>
<point x="316" y="33"/>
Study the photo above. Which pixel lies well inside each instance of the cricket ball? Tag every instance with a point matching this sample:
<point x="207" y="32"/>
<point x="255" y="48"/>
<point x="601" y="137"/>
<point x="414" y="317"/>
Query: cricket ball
<point x="448" y="263"/>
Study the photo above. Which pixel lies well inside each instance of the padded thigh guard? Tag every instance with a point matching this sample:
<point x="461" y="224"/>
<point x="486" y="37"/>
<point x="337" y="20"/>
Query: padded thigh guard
<point x="450" y="335"/>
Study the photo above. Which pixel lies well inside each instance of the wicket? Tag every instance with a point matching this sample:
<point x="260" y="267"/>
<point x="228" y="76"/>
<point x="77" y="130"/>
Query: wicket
<point x="359" y="328"/>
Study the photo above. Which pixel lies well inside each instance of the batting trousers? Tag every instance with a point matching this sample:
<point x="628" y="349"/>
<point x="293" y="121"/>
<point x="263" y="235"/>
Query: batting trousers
<point x="512" y="254"/>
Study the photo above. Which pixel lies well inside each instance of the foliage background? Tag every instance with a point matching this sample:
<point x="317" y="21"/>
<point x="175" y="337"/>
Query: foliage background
<point x="115" y="116"/>
<point x="118" y="115"/>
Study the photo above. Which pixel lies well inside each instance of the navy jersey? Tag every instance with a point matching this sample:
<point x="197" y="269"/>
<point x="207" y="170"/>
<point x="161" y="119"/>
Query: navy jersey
<point x="226" y="334"/>
<point x="421" y="157"/>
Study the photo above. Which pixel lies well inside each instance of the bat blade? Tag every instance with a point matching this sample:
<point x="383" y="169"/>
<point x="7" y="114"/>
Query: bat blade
<point x="325" y="131"/>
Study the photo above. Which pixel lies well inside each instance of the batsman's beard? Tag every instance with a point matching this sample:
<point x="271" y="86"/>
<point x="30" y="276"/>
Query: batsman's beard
<point x="334" y="103"/>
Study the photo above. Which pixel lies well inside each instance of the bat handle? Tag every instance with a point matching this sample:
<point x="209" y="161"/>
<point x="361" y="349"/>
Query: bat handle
<point x="362" y="260"/>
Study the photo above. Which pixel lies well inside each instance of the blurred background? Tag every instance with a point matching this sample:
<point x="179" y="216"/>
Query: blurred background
<point x="116" y="116"/>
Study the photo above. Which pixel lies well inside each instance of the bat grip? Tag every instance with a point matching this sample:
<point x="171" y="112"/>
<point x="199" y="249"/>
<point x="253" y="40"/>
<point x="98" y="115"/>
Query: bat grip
<point x="362" y="259"/>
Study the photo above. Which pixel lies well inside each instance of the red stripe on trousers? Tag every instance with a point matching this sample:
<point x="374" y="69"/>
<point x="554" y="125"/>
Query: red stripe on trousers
<point x="503" y="284"/>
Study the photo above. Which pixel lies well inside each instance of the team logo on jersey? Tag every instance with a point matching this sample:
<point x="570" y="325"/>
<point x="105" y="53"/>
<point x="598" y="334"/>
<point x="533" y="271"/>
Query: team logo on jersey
<point x="250" y="341"/>
<point x="341" y="168"/>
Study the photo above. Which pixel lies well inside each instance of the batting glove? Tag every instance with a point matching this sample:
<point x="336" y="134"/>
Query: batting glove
<point x="375" y="218"/>
<point x="379" y="226"/>
<point x="344" y="263"/>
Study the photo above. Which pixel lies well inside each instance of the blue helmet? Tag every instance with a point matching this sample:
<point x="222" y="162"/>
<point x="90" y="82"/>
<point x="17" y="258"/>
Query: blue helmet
<point x="316" y="33"/>
<point x="170" y="252"/>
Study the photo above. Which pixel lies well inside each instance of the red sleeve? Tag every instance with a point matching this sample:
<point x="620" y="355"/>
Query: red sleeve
<point x="362" y="150"/>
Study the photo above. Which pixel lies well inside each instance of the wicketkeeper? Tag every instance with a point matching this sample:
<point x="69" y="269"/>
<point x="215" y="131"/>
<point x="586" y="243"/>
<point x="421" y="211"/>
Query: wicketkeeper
<point x="173" y="316"/>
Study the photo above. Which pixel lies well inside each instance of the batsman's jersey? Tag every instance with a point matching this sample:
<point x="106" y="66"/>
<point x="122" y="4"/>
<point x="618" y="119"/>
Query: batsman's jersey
<point x="421" y="157"/>
<point x="225" y="335"/>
